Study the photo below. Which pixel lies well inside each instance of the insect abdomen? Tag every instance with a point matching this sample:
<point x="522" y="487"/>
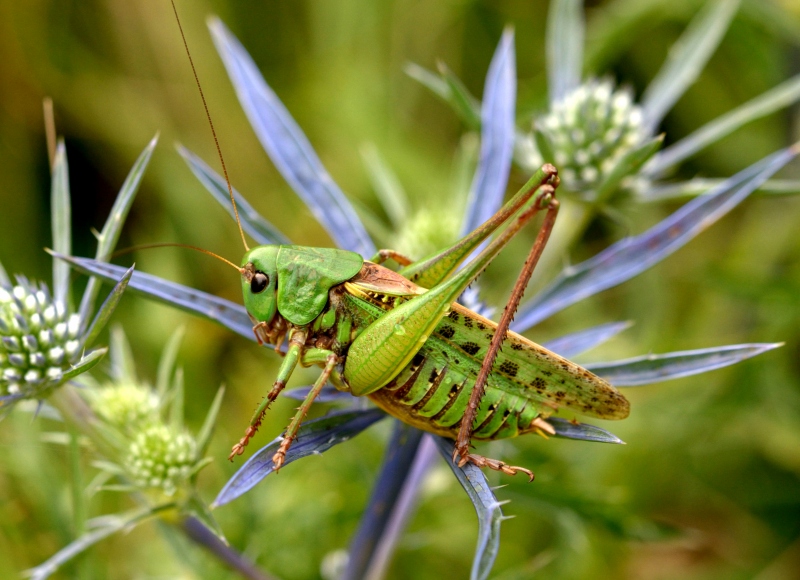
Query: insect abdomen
<point x="432" y="396"/>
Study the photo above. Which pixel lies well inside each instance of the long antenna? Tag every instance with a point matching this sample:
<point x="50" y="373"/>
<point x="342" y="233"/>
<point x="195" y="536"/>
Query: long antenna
<point x="211" y="124"/>
<point x="175" y="245"/>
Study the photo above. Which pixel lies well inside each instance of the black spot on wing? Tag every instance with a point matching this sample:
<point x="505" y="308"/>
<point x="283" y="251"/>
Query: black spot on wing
<point x="509" y="368"/>
<point x="538" y="383"/>
<point x="447" y="331"/>
<point x="470" y="347"/>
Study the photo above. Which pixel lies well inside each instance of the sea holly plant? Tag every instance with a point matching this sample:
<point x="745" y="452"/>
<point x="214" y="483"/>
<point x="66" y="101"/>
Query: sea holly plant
<point x="407" y="456"/>
<point x="607" y="144"/>
<point x="134" y="433"/>
<point x="44" y="342"/>
<point x="141" y="448"/>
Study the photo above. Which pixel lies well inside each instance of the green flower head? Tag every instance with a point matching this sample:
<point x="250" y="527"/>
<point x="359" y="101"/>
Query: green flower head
<point x="590" y="130"/>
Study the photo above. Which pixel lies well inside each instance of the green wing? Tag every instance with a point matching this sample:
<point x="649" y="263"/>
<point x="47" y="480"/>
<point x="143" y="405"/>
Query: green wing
<point x="305" y="275"/>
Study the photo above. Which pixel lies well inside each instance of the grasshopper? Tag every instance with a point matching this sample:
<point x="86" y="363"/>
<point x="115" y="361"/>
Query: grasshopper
<point x="401" y="339"/>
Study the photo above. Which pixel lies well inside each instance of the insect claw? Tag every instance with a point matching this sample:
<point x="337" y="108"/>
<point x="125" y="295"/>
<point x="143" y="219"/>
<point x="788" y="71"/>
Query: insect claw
<point x="238" y="449"/>
<point x="497" y="465"/>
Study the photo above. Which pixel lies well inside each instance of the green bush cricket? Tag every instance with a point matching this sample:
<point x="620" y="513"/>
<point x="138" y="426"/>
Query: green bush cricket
<point x="403" y="340"/>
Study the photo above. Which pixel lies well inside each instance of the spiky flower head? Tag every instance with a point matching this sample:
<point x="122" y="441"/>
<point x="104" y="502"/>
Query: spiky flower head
<point x="590" y="130"/>
<point x="161" y="459"/>
<point x="39" y="340"/>
<point x="126" y="406"/>
<point x="426" y="231"/>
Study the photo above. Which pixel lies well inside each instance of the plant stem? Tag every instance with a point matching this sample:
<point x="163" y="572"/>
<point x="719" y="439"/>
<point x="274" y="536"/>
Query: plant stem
<point x="204" y="537"/>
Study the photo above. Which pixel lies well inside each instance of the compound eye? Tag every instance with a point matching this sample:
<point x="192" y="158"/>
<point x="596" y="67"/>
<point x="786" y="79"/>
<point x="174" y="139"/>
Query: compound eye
<point x="259" y="282"/>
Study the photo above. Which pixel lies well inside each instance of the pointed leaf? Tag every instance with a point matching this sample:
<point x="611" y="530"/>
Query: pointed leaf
<point x="108" y="238"/>
<point x="228" y="314"/>
<point x="366" y="559"/>
<point x="785" y="94"/>
<point x="201" y="514"/>
<point x="4" y="279"/>
<point x="628" y="165"/>
<point x="253" y="223"/>
<point x="204" y="435"/>
<point x="386" y="186"/>
<point x="199" y="531"/>
<point x="314" y="437"/>
<point x="701" y="186"/>
<point x="288" y="146"/>
<point x="435" y="83"/>
<point x="88" y="362"/>
<point x="497" y="136"/>
<point x="176" y="395"/>
<point x="631" y="256"/>
<point x="328" y="394"/>
<point x="486" y="506"/>
<point x="565" y="31"/>
<point x="105" y="527"/>
<point x="123" y="363"/>
<point x="576" y="343"/>
<point x="60" y="207"/>
<point x="166" y="364"/>
<point x="543" y="145"/>
<point x="652" y="368"/>
<point x="687" y="58"/>
<point x="465" y="105"/>
<point x="582" y="431"/>
<point x="107" y="309"/>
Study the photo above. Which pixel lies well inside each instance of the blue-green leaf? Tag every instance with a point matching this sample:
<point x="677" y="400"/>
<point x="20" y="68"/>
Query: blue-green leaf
<point x="773" y="100"/>
<point x="497" y="136"/>
<point x="108" y="238"/>
<point x="314" y="437"/>
<point x="252" y="222"/>
<point x="103" y="527"/>
<point x="652" y="368"/>
<point x="632" y="256"/>
<point x="61" y="219"/>
<point x="107" y="309"/>
<point x="4" y="279"/>
<point x="582" y="431"/>
<point x="702" y="186"/>
<point x="575" y="343"/>
<point x="686" y="60"/>
<point x="288" y="147"/>
<point x="328" y="394"/>
<point x="228" y="314"/>
<point x="204" y="435"/>
<point x="565" y="31"/>
<point x="486" y="506"/>
<point x="387" y="186"/>
<point x="369" y="553"/>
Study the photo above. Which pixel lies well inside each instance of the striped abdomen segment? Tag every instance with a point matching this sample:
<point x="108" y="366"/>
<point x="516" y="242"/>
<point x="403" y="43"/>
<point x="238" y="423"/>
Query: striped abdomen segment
<point x="432" y="392"/>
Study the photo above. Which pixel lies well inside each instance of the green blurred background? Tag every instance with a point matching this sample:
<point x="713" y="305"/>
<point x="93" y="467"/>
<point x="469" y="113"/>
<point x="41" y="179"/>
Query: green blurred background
<point x="709" y="483"/>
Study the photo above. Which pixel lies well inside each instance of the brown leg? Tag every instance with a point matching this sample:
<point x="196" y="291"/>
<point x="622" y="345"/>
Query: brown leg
<point x="548" y="200"/>
<point x="302" y="410"/>
<point x="384" y="255"/>
<point x="297" y="341"/>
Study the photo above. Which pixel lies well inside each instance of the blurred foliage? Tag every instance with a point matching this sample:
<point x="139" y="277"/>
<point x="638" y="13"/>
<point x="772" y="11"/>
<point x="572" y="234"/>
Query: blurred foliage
<point x="707" y="486"/>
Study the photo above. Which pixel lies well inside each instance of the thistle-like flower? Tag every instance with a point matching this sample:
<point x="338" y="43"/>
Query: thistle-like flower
<point x="161" y="458"/>
<point x="589" y="131"/>
<point x="125" y="406"/>
<point x="39" y="340"/>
